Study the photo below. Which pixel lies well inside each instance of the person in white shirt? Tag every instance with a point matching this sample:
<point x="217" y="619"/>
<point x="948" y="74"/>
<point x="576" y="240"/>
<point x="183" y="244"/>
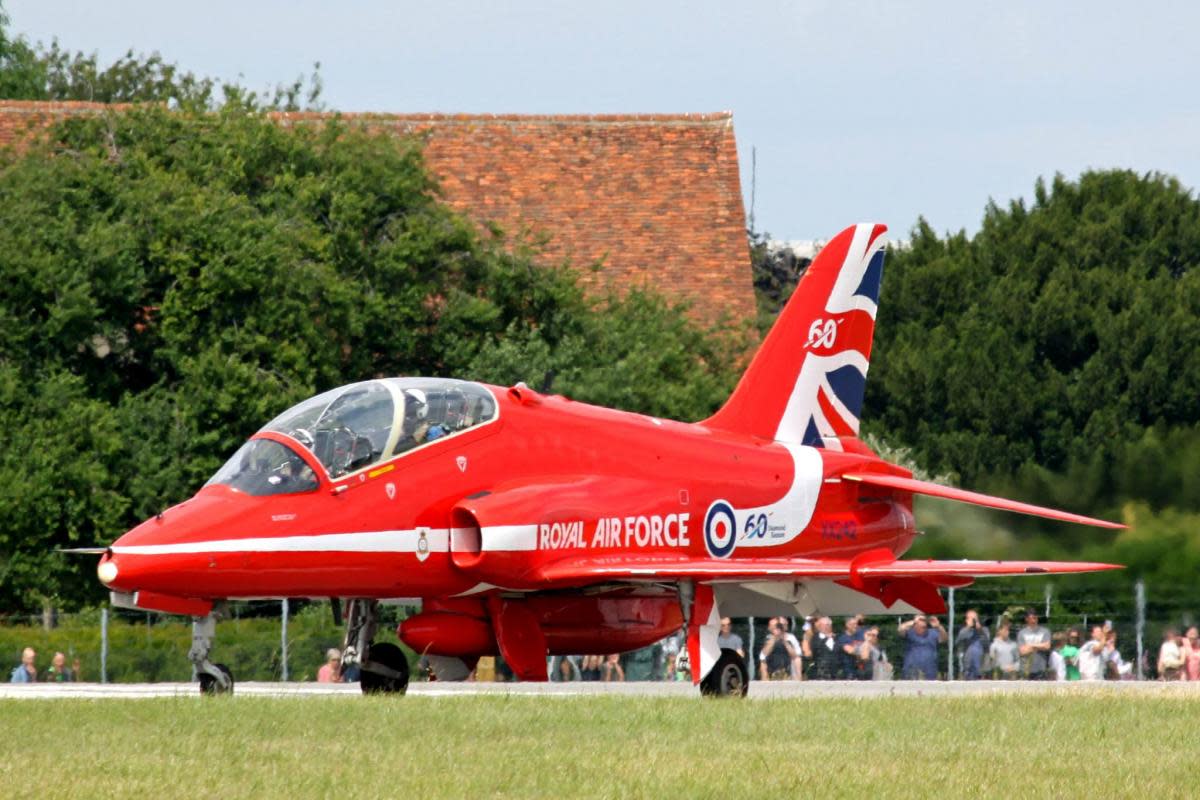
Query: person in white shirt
<point x="1091" y="656"/>
<point x="1170" y="657"/>
<point x="1058" y="664"/>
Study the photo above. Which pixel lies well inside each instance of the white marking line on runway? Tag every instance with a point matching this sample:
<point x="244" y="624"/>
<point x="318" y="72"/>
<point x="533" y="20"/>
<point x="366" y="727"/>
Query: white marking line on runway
<point x="806" y="690"/>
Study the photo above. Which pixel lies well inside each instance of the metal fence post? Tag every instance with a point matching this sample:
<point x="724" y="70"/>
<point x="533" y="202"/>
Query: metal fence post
<point x="1049" y="591"/>
<point x="750" y="650"/>
<point x="104" y="645"/>
<point x="283" y="640"/>
<point x="950" y="639"/>
<point x="1139" y="590"/>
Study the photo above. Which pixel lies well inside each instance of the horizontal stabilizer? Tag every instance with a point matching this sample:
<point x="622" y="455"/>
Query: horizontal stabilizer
<point x="975" y="498"/>
<point x="931" y="570"/>
<point x="587" y="570"/>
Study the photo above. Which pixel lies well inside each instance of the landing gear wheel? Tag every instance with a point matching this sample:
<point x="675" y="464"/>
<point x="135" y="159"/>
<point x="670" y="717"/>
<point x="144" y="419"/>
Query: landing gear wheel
<point x="728" y="678"/>
<point x="389" y="656"/>
<point x="209" y="685"/>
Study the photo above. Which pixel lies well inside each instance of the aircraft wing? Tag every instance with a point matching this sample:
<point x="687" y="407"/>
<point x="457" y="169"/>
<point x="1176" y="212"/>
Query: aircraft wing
<point x="975" y="498"/>
<point x="874" y="577"/>
<point x="638" y="568"/>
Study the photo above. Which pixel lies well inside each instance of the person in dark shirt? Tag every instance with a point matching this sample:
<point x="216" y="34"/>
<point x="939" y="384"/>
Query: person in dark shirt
<point x="824" y="653"/>
<point x="848" y="644"/>
<point x="973" y="641"/>
<point x="775" y="659"/>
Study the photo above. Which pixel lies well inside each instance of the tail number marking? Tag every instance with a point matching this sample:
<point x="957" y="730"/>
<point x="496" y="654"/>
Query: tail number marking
<point x="822" y="333"/>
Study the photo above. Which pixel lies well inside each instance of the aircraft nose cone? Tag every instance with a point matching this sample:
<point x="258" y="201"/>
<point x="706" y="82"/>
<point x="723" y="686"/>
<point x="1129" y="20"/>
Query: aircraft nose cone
<point x="106" y="570"/>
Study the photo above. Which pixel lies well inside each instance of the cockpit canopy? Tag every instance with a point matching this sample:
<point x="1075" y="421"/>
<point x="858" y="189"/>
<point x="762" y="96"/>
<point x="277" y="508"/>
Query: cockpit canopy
<point x="355" y="426"/>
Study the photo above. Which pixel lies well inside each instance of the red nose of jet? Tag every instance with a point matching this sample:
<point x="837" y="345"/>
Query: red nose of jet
<point x="170" y="553"/>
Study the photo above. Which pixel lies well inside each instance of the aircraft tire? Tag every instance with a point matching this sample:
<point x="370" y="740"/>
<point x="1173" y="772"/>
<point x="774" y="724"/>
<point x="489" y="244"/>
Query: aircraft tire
<point x="209" y="684"/>
<point x="391" y="656"/>
<point x="728" y="677"/>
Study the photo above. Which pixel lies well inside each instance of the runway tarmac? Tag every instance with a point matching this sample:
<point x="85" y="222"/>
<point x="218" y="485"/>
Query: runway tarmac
<point x="759" y="690"/>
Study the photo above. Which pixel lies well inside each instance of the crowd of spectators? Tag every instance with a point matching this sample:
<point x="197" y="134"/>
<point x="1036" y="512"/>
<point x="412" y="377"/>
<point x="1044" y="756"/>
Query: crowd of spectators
<point x="1001" y="651"/>
<point x="1033" y="652"/>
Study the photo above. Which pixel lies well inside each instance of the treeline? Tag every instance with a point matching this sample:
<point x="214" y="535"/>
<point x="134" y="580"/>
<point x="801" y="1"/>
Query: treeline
<point x="1053" y="357"/>
<point x="1063" y="334"/>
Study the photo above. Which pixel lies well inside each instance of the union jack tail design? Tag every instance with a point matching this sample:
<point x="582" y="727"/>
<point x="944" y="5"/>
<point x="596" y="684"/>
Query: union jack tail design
<point x="806" y="382"/>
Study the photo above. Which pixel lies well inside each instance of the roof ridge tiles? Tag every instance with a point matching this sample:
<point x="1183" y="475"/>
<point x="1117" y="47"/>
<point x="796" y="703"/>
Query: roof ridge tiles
<point x="442" y="118"/>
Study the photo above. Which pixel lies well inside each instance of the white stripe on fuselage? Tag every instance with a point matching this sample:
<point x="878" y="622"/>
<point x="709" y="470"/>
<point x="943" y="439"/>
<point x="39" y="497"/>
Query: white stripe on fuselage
<point x="499" y="538"/>
<point x="365" y="542"/>
<point x="510" y="538"/>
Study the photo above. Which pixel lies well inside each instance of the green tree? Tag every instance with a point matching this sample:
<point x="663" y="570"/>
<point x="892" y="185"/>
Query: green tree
<point x="1064" y="329"/>
<point x="775" y="274"/>
<point x="38" y="72"/>
<point x="21" y="75"/>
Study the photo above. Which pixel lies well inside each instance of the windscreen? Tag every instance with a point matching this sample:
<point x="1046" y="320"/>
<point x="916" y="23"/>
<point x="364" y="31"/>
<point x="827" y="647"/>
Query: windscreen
<point x="346" y="429"/>
<point x="262" y="467"/>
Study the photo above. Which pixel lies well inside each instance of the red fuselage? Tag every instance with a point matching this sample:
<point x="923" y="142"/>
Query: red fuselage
<point x="582" y="478"/>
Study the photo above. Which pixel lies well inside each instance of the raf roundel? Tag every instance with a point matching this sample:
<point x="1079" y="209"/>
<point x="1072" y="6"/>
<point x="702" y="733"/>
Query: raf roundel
<point x="720" y="529"/>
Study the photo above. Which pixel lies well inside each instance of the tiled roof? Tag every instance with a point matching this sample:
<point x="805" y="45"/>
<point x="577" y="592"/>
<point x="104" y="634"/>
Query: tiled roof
<point x="655" y="198"/>
<point x="19" y="118"/>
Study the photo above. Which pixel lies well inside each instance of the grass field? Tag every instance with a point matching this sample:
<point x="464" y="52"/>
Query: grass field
<point x="1102" y="745"/>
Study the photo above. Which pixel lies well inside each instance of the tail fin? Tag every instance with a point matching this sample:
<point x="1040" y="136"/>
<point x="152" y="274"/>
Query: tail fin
<point x="805" y="384"/>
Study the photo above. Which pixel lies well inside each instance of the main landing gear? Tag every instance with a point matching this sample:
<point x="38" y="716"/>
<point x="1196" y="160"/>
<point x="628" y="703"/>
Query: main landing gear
<point x="728" y="678"/>
<point x="214" y="678"/>
<point x="382" y="667"/>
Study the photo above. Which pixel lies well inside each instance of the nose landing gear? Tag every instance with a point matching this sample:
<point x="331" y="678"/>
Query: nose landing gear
<point x="214" y="678"/>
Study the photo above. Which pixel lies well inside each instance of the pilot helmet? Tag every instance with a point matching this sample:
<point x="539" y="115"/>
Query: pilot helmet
<point x="416" y="407"/>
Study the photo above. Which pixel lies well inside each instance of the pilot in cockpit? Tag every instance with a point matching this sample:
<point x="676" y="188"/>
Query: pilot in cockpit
<point x="418" y="428"/>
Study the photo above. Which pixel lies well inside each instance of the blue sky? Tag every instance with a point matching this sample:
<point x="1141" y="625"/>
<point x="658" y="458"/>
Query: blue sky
<point x="858" y="111"/>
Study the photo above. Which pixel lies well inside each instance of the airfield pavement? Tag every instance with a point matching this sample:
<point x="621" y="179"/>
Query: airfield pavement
<point x="759" y="690"/>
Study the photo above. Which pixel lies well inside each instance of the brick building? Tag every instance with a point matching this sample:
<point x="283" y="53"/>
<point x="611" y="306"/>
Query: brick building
<point x="655" y="199"/>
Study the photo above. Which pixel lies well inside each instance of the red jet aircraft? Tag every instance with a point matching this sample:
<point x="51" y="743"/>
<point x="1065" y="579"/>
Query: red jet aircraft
<point x="531" y="525"/>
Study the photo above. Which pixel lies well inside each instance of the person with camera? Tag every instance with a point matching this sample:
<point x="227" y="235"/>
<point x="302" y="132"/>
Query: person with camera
<point x="921" y="636"/>
<point x="849" y="643"/>
<point x="823" y="651"/>
<point x="781" y="648"/>
<point x="873" y="660"/>
<point x="972" y="643"/>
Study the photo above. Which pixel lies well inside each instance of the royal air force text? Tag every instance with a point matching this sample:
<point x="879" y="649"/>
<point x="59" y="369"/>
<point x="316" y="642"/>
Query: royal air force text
<point x="670" y="530"/>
